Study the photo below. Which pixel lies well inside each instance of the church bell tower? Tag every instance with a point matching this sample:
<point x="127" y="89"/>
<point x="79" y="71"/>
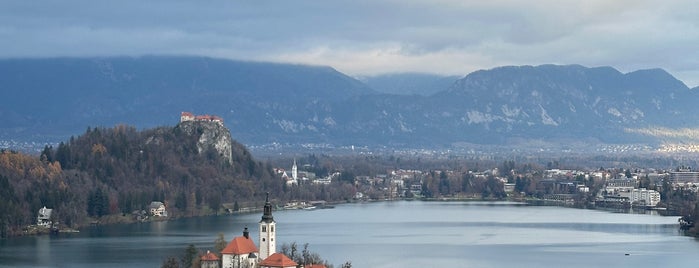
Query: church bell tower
<point x="294" y="171"/>
<point x="267" y="232"/>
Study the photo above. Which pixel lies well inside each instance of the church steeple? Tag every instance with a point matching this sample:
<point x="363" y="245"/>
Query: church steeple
<point x="267" y="214"/>
<point x="267" y="244"/>
<point x="294" y="171"/>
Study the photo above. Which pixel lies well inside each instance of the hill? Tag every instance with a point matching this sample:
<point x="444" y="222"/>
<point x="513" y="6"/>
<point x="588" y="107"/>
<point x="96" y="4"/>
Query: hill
<point x="281" y="104"/>
<point x="110" y="171"/>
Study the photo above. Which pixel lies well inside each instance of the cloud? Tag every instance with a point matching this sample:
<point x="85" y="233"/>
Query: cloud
<point x="367" y="37"/>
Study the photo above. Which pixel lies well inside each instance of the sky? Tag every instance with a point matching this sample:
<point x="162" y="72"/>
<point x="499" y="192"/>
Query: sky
<point x="363" y="38"/>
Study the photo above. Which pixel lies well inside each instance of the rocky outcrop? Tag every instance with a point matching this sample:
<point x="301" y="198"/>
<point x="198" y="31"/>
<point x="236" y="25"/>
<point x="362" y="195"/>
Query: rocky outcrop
<point x="211" y="135"/>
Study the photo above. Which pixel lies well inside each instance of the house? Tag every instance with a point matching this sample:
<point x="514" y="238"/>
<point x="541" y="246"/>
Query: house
<point x="44" y="217"/>
<point x="278" y="260"/>
<point x="157" y="209"/>
<point x="209" y="260"/>
<point x="240" y="252"/>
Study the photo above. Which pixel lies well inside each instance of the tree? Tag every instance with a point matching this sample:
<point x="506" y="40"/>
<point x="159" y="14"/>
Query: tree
<point x="181" y="201"/>
<point x="215" y="202"/>
<point x="444" y="185"/>
<point x="645" y="183"/>
<point x="190" y="254"/>
<point x="236" y="207"/>
<point x="98" y="203"/>
<point x="170" y="262"/>
<point x="47" y="154"/>
<point x="347" y="176"/>
<point x="219" y="243"/>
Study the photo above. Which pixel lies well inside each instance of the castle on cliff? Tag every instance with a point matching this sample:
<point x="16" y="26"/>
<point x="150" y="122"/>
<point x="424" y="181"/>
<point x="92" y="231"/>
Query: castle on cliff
<point x="187" y="116"/>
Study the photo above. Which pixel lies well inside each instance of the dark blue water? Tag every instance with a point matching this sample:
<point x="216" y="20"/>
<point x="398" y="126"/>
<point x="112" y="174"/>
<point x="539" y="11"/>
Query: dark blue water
<point x="391" y="234"/>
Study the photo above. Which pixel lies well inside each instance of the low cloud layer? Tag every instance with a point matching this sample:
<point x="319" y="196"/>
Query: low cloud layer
<point x="367" y="37"/>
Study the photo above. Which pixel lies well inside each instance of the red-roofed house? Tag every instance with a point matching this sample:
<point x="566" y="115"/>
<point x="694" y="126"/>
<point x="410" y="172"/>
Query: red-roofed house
<point x="278" y="260"/>
<point x="186" y="116"/>
<point x="209" y="260"/>
<point x="240" y="252"/>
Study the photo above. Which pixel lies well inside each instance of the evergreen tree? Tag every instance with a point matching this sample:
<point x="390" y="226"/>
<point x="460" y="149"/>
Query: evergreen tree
<point x="170" y="262"/>
<point x="190" y="254"/>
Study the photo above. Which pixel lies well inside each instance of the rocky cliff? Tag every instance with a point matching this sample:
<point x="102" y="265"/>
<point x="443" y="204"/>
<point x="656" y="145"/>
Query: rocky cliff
<point x="211" y="135"/>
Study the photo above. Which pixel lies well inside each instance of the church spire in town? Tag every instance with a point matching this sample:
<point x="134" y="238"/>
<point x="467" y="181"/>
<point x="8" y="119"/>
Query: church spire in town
<point x="267" y="235"/>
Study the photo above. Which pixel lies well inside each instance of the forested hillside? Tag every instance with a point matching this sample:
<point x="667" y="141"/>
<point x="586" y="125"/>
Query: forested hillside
<point x="114" y="171"/>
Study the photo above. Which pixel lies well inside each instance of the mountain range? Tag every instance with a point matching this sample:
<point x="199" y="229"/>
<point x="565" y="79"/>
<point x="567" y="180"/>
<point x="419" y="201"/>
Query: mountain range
<point x="263" y="103"/>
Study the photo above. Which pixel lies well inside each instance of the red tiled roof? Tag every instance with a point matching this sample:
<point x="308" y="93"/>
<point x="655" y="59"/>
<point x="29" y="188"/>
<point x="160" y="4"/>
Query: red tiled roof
<point x="187" y="114"/>
<point x="240" y="245"/>
<point x="278" y="260"/>
<point x="210" y="257"/>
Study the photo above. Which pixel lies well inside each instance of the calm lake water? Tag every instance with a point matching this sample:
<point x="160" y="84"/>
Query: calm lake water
<point x="391" y="234"/>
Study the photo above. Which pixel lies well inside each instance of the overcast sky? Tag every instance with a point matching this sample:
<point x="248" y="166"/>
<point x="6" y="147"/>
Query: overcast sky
<point x="367" y="37"/>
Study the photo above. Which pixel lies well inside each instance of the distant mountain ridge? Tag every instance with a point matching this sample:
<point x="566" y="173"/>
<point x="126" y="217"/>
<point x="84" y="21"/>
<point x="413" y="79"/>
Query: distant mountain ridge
<point x="569" y="101"/>
<point x="265" y="103"/>
<point x="409" y="83"/>
<point x="62" y="96"/>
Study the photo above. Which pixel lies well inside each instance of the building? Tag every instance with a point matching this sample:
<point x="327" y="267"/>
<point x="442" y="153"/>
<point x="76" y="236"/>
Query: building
<point x="645" y="197"/>
<point x="684" y="177"/>
<point x="44" y="217"/>
<point x="209" y="260"/>
<point x="278" y="260"/>
<point x="267" y="234"/>
<point x="619" y="187"/>
<point x="240" y="252"/>
<point x="295" y="171"/>
<point x="157" y="209"/>
<point x="187" y="116"/>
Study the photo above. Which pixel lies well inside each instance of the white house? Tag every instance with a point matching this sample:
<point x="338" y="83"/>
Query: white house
<point x="157" y="209"/>
<point x="44" y="217"/>
<point x="240" y="252"/>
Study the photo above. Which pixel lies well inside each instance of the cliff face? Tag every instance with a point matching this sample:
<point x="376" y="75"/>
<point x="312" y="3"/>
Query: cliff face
<point x="211" y="135"/>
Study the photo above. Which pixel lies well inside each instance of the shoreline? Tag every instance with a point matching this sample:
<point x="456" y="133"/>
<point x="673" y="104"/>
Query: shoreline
<point x="128" y="219"/>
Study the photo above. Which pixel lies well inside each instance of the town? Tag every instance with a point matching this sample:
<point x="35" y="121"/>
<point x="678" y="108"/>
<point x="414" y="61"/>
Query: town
<point x="619" y="188"/>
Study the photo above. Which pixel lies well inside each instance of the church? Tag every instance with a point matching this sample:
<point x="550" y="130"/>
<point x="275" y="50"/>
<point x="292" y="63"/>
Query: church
<point x="241" y="252"/>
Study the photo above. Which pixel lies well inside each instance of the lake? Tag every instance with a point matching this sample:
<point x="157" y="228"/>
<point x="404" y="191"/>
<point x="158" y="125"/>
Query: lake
<point x="391" y="234"/>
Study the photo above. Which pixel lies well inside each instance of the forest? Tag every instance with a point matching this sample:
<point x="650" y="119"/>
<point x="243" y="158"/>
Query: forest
<point x="105" y="174"/>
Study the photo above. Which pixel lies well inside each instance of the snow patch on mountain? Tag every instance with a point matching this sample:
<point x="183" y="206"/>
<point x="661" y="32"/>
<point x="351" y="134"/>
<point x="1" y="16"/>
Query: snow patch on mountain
<point x="546" y="119"/>
<point x="510" y="112"/>
<point x="613" y="111"/>
<point x="476" y="117"/>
